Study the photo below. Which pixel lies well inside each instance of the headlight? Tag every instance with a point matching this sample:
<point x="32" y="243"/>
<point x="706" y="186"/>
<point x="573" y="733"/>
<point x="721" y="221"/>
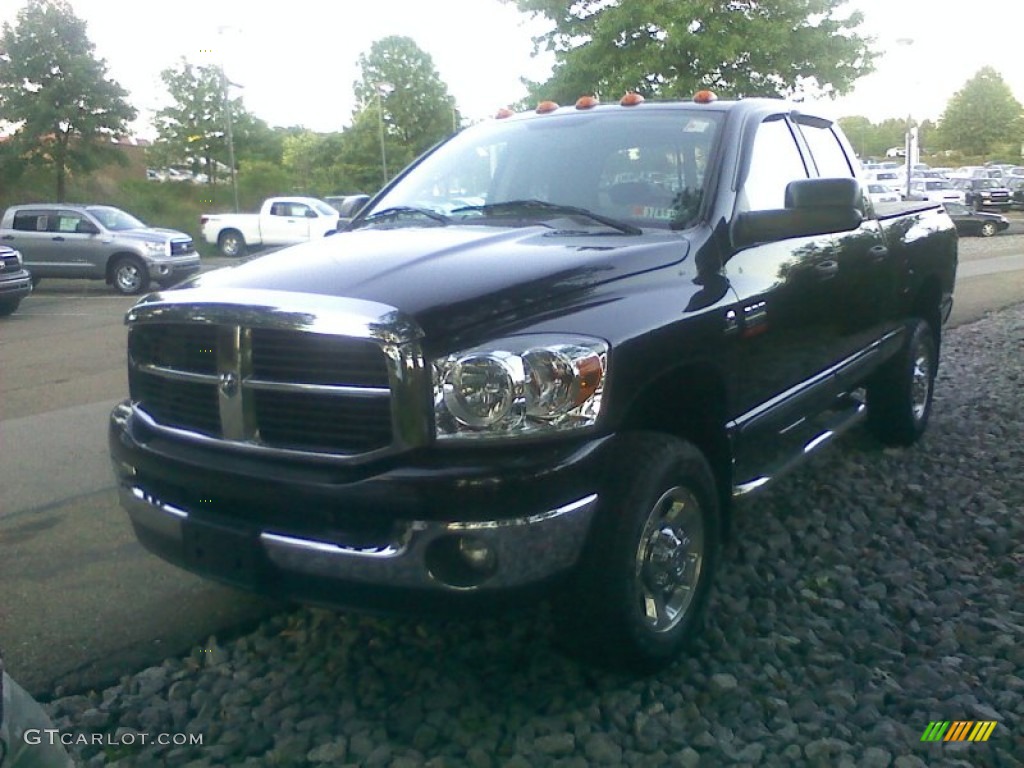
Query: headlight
<point x="158" y="249"/>
<point x="525" y="385"/>
<point x="17" y="255"/>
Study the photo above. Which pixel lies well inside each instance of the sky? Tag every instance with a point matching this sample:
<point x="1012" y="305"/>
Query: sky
<point x="296" y="62"/>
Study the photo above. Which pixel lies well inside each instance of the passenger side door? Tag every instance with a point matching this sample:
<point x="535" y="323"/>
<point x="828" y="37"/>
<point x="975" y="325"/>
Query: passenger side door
<point x="783" y="327"/>
<point x="866" y="281"/>
<point x="287" y="224"/>
<point x="76" y="245"/>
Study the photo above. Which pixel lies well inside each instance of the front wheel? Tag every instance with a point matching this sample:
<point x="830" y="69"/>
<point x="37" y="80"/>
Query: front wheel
<point x="8" y="306"/>
<point x="639" y="594"/>
<point x="129" y="276"/>
<point x="988" y="229"/>
<point x="900" y="393"/>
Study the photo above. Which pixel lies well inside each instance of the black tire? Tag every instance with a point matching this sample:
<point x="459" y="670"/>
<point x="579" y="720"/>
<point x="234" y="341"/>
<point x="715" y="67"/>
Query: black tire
<point x="8" y="306"/>
<point x="900" y="393"/>
<point x="639" y="593"/>
<point x="988" y="229"/>
<point x="231" y="243"/>
<point x="129" y="276"/>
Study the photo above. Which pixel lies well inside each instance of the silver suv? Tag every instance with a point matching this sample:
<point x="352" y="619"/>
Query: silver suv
<point x="97" y="242"/>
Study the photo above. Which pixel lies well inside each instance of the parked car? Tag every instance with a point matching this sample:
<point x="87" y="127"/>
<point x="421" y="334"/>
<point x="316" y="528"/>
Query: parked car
<point x="281" y="221"/>
<point x="453" y="404"/>
<point x="15" y="280"/>
<point x="97" y="242"/>
<point x="971" y="222"/>
<point x="887" y="177"/>
<point x="983" y="193"/>
<point x="1016" y="186"/>
<point x="880" y="193"/>
<point x="935" y="191"/>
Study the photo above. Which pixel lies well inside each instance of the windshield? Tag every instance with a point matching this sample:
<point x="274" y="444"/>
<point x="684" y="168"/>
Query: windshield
<point x="325" y="209"/>
<point x="986" y="184"/>
<point x="646" y="170"/>
<point x="115" y="219"/>
<point x="939" y="185"/>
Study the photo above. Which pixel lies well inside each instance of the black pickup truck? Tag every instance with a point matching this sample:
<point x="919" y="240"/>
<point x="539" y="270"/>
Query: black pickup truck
<point x="545" y="361"/>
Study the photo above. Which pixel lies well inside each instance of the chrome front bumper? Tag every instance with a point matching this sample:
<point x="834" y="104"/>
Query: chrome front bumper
<point x="447" y="556"/>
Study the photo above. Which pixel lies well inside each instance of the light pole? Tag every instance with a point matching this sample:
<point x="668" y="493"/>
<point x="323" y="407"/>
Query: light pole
<point x="910" y="149"/>
<point x="228" y="132"/>
<point x="380" y="126"/>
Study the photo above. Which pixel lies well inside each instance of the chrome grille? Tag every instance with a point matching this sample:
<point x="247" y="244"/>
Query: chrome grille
<point x="268" y="379"/>
<point x="181" y="247"/>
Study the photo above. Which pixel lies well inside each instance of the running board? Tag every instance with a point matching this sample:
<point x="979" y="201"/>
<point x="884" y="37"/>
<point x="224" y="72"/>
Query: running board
<point x="851" y="412"/>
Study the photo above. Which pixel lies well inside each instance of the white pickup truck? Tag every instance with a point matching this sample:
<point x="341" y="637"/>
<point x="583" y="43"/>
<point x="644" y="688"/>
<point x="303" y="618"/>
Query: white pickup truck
<point x="281" y="221"/>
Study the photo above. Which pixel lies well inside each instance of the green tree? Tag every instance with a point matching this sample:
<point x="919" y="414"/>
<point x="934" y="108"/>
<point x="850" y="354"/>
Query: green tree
<point x="57" y="93"/>
<point x="672" y="48"/>
<point x="192" y="130"/>
<point x="414" y="102"/>
<point x="359" y="162"/>
<point x="982" y="118"/>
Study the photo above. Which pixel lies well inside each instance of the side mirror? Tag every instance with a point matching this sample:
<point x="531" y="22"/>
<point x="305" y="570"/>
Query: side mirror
<point x="354" y="204"/>
<point x="813" y="207"/>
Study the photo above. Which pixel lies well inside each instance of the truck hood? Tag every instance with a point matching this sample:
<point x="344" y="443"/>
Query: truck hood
<point x="456" y="277"/>
<point x="151" y="235"/>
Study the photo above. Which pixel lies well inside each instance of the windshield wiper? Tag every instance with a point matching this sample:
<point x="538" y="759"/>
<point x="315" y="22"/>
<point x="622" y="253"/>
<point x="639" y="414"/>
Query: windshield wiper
<point x="534" y="207"/>
<point x="399" y="210"/>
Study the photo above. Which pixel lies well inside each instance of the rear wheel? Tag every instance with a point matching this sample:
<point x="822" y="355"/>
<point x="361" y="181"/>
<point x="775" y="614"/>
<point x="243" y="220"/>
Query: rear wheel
<point x="639" y="593"/>
<point x="231" y="243"/>
<point x="988" y="229"/>
<point x="129" y="275"/>
<point x="900" y="394"/>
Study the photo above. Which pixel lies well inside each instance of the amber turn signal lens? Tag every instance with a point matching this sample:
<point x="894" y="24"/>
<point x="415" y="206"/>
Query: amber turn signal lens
<point x="705" y="97"/>
<point x="586" y="102"/>
<point x="546" y="106"/>
<point x="631" y="99"/>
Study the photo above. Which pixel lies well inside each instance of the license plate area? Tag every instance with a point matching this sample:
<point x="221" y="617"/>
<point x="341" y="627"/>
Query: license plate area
<point x="223" y="552"/>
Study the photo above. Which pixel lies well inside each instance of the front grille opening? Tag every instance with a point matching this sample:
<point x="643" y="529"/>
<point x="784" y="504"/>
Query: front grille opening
<point x="303" y="421"/>
<point x="179" y="404"/>
<point x="183" y="346"/>
<point x="314" y="358"/>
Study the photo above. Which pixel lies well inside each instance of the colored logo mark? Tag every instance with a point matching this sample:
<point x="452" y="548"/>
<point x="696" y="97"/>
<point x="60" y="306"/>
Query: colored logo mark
<point x="959" y="730"/>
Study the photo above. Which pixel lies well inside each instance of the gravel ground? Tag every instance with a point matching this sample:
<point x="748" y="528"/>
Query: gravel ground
<point x="868" y="594"/>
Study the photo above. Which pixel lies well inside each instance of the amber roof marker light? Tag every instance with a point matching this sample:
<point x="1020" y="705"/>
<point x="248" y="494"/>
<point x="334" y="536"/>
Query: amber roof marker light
<point x="705" y="97"/>
<point x="503" y="113"/>
<point x="587" y="102"/>
<point x="546" y="106"/>
<point x="631" y="99"/>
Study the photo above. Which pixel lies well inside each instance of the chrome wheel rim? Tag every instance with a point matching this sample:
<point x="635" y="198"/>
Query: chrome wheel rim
<point x="988" y="229"/>
<point x="669" y="559"/>
<point x="921" y="379"/>
<point x="128" y="277"/>
<point x="230" y="246"/>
